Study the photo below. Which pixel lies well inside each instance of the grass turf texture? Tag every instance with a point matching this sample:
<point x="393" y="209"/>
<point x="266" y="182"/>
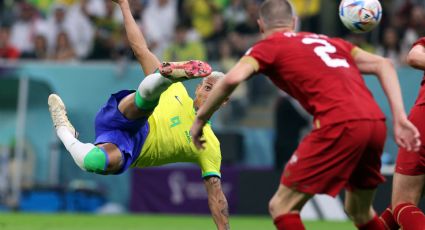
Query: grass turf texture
<point x="17" y="221"/>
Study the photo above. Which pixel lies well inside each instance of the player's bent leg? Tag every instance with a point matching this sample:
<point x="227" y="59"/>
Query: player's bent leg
<point x="405" y="201"/>
<point x="217" y="202"/>
<point x="285" y="207"/>
<point x="146" y="98"/>
<point x="402" y="195"/>
<point x="101" y="159"/>
<point x="87" y="156"/>
<point x="180" y="71"/>
<point x="358" y="206"/>
<point x="114" y="158"/>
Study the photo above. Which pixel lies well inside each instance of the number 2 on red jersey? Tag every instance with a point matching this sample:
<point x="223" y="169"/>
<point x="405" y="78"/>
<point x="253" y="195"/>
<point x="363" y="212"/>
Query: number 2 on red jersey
<point x="323" y="50"/>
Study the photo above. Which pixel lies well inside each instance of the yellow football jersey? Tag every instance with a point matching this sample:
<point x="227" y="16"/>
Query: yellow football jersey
<point x="169" y="139"/>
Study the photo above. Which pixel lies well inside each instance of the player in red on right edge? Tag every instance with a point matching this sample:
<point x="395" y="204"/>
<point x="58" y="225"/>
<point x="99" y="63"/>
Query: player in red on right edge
<point x="409" y="176"/>
<point x="324" y="75"/>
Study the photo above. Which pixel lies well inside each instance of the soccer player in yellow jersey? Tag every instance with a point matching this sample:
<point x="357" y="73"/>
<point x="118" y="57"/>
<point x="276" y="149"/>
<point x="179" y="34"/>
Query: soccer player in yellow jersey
<point x="149" y="126"/>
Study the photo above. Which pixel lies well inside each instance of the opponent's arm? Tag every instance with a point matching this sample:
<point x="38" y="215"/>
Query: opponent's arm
<point x="146" y="58"/>
<point x="416" y="57"/>
<point x="220" y="92"/>
<point x="406" y="134"/>
<point x="217" y="203"/>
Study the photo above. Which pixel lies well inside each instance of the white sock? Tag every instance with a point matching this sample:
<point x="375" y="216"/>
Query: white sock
<point x="151" y="88"/>
<point x="77" y="149"/>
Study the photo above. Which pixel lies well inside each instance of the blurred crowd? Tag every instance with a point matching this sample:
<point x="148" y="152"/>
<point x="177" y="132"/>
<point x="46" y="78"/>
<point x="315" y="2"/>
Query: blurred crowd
<point x="214" y="30"/>
<point x="93" y="29"/>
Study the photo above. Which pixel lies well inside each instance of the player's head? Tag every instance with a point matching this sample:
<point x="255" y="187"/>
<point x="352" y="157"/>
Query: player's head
<point x="204" y="88"/>
<point x="276" y="14"/>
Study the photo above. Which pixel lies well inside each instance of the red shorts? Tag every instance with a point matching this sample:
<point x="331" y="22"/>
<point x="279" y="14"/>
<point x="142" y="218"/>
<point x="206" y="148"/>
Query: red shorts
<point x="413" y="163"/>
<point x="343" y="155"/>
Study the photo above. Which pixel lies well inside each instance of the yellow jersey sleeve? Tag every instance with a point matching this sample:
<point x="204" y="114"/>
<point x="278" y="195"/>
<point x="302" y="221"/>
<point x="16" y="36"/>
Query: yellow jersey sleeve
<point x="169" y="139"/>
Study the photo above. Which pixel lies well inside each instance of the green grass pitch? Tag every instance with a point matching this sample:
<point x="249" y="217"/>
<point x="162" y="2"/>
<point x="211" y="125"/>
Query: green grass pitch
<point x="18" y="221"/>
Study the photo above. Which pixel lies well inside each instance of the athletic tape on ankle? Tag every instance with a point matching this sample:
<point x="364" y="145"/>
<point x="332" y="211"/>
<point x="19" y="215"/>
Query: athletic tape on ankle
<point x="96" y="160"/>
<point x="143" y="104"/>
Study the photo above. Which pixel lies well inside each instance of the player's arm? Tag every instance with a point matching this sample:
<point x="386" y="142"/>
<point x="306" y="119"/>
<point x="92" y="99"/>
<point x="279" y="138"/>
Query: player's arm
<point x="416" y="57"/>
<point x="146" y="58"/>
<point x="220" y="92"/>
<point x="406" y="134"/>
<point x="217" y="202"/>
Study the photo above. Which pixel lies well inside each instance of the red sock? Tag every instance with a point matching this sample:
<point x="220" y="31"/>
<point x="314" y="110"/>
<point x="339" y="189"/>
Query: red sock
<point x="373" y="224"/>
<point x="409" y="217"/>
<point x="290" y="221"/>
<point x="388" y="220"/>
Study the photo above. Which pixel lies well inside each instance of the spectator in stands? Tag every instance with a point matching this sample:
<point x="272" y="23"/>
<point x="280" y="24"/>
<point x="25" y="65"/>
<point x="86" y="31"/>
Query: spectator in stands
<point x="246" y="33"/>
<point x="25" y="28"/>
<point x="7" y="50"/>
<point x="202" y="15"/>
<point x="40" y="48"/>
<point x="64" y="50"/>
<point x="42" y="5"/>
<point x="137" y="7"/>
<point x="212" y="43"/>
<point x="235" y="109"/>
<point x="79" y="19"/>
<point x="234" y="14"/>
<point x="416" y="29"/>
<point x="308" y="14"/>
<point x="227" y="60"/>
<point x="390" y="47"/>
<point x="159" y="21"/>
<point x="40" y="51"/>
<point x="56" y="23"/>
<point x="249" y="28"/>
<point x="184" y="49"/>
<point x="108" y="34"/>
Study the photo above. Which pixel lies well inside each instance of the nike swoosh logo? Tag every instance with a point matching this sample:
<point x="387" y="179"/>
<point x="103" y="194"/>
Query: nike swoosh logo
<point x="178" y="99"/>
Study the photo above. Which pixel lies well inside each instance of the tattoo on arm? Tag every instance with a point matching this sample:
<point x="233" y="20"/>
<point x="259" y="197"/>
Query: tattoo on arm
<point x="217" y="203"/>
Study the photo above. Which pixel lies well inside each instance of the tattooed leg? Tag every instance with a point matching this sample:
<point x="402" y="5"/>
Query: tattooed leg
<point x="217" y="202"/>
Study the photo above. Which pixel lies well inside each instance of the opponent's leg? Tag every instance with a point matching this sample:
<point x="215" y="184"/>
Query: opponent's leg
<point x="407" y="191"/>
<point x="358" y="206"/>
<point x="146" y="98"/>
<point x="388" y="220"/>
<point x="285" y="207"/>
<point x="102" y="160"/>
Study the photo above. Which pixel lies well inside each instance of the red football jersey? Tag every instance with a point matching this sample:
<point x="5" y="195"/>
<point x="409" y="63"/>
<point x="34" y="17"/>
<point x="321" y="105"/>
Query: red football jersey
<point x="421" y="97"/>
<point x="320" y="73"/>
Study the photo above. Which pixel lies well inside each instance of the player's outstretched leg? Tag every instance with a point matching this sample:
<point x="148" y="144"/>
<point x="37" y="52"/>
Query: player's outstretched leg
<point x="180" y="71"/>
<point x="150" y="89"/>
<point x="407" y="192"/>
<point x="358" y="206"/>
<point x="87" y="156"/>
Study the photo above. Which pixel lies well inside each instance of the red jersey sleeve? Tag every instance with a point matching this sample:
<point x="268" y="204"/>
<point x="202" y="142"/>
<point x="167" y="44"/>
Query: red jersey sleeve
<point x="420" y="41"/>
<point x="345" y="45"/>
<point x="264" y="53"/>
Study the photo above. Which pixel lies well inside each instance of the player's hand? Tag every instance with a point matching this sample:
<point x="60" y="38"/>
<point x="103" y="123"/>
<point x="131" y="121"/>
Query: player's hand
<point x="196" y="132"/>
<point x="407" y="135"/>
